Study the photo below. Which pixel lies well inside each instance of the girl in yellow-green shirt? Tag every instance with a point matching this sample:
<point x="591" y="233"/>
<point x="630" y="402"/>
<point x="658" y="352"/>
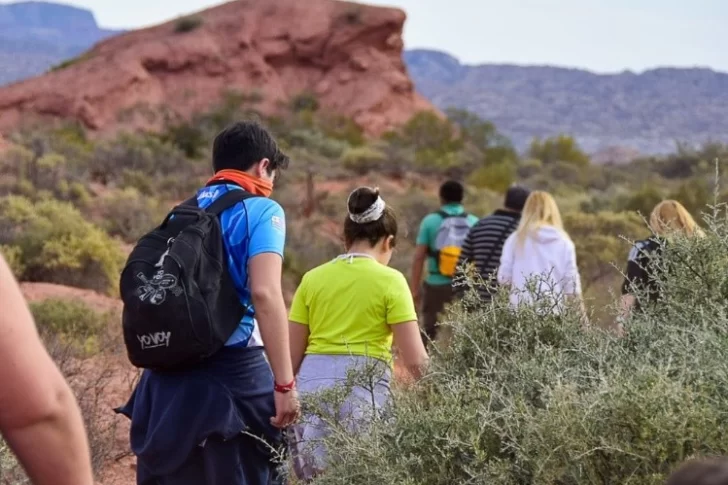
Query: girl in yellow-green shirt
<point x="346" y="314"/>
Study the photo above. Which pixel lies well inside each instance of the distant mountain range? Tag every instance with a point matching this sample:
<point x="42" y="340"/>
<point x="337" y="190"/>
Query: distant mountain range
<point x="36" y="35"/>
<point x="647" y="111"/>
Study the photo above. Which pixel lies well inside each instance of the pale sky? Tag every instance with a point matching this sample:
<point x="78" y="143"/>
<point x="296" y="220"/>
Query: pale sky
<point x="601" y="35"/>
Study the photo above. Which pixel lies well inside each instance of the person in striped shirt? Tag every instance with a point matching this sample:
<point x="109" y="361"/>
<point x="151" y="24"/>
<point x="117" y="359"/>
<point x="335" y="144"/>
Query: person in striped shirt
<point x="482" y="248"/>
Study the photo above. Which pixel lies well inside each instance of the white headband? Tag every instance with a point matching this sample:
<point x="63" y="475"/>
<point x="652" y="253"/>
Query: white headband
<point x="373" y="213"/>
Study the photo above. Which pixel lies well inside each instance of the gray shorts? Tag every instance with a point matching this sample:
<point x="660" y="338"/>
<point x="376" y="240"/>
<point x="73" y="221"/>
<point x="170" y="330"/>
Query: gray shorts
<point x="352" y="408"/>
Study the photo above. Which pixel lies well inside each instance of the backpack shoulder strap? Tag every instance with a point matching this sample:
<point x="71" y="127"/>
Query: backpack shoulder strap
<point x="227" y="200"/>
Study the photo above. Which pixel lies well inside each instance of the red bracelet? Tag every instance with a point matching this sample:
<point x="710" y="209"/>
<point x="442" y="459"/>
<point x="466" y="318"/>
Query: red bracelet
<point x="285" y="388"/>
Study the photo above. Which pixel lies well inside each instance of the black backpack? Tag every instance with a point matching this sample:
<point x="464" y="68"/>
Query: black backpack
<point x="180" y="303"/>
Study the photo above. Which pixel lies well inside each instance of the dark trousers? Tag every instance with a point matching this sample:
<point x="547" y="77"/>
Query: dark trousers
<point x="209" y="425"/>
<point x="434" y="299"/>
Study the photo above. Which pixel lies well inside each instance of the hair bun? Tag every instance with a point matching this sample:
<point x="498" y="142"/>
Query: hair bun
<point x="365" y="205"/>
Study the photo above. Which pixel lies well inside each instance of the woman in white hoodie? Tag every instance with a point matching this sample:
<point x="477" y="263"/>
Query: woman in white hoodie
<point x="538" y="262"/>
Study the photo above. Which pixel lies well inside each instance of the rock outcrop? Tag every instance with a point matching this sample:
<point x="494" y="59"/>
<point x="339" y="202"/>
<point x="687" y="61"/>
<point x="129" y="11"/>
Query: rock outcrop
<point x="348" y="55"/>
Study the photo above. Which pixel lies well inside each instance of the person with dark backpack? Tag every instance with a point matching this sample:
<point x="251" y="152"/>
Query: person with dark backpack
<point x="204" y="316"/>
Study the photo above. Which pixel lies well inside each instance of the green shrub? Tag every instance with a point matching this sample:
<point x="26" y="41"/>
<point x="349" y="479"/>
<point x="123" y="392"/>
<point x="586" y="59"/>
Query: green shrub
<point x="129" y="214"/>
<point x="188" y="24"/>
<point x="70" y="62"/>
<point x="305" y="102"/>
<point x="525" y="398"/>
<point x="57" y="244"/>
<point x="193" y="136"/>
<point x="306" y="249"/>
<point x="71" y="321"/>
<point x="352" y="15"/>
<point x="497" y="177"/>
<point x="50" y="173"/>
<point x="561" y="148"/>
<point x="342" y="128"/>
<point x="13" y="256"/>
<point x="601" y="242"/>
<point x="642" y="200"/>
<point x="363" y="159"/>
<point x="160" y="165"/>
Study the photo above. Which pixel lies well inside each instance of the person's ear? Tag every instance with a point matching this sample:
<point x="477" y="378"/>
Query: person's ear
<point x="262" y="168"/>
<point x="389" y="243"/>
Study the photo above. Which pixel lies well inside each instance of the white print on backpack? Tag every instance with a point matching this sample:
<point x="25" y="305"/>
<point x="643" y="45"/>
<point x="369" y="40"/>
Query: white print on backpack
<point x="155" y="290"/>
<point x="154" y="340"/>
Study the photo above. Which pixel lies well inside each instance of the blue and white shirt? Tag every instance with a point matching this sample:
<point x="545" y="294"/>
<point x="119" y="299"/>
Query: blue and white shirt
<point x="252" y="227"/>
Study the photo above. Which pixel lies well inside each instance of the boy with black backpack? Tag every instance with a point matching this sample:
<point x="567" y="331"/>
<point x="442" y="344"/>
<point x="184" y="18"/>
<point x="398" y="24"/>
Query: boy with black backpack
<point x="202" y="297"/>
<point x="439" y="242"/>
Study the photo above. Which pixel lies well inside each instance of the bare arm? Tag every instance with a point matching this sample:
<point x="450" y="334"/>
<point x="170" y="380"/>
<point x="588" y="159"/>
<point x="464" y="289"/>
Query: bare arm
<point x="299" y="343"/>
<point x="39" y="416"/>
<point x="270" y="311"/>
<point x="412" y="351"/>
<point x="418" y="263"/>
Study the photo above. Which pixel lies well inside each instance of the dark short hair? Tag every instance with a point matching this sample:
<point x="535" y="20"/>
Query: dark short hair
<point x="708" y="471"/>
<point x="452" y="192"/>
<point x="243" y="144"/>
<point x="360" y="200"/>
<point x="516" y="197"/>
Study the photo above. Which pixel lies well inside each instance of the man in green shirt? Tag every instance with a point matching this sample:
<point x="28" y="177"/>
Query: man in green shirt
<point x="438" y="243"/>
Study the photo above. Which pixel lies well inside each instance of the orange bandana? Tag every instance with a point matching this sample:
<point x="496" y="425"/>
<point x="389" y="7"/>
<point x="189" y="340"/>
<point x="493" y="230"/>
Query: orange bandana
<point x="252" y="184"/>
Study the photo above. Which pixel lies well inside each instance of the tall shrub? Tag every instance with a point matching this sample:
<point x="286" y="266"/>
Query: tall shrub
<point x="52" y="241"/>
<point x="521" y="398"/>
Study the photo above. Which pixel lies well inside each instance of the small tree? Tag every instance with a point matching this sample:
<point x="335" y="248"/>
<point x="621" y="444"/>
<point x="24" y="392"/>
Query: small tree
<point x="188" y="24"/>
<point x="561" y="148"/>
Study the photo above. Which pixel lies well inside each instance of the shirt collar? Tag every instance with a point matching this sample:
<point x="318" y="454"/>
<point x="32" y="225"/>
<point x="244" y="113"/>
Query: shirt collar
<point x="453" y="208"/>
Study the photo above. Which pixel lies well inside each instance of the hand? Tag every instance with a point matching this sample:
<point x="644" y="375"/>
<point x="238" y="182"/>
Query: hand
<point x="287" y="409"/>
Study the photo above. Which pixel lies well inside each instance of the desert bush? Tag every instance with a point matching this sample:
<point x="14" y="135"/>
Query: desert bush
<point x="54" y="242"/>
<point x="70" y="62"/>
<point x="306" y="249"/>
<point x="642" y="200"/>
<point x="316" y="143"/>
<point x="148" y="163"/>
<point x="128" y="214"/>
<point x="434" y="142"/>
<point x="73" y="333"/>
<point x="304" y="102"/>
<point x="73" y="322"/>
<point x="194" y="136"/>
<point x="561" y="148"/>
<point x="341" y="128"/>
<point x="497" y="177"/>
<point x="363" y="159"/>
<point x="520" y="397"/>
<point x="601" y="242"/>
<point x="188" y="24"/>
<point x="695" y="195"/>
<point x="49" y="174"/>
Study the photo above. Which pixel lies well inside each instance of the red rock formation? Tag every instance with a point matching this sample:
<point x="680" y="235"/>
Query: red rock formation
<point x="348" y="55"/>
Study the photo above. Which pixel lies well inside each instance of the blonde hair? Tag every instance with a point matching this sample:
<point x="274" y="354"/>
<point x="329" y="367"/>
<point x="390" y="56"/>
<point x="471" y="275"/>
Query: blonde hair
<point x="540" y="210"/>
<point x="669" y="217"/>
